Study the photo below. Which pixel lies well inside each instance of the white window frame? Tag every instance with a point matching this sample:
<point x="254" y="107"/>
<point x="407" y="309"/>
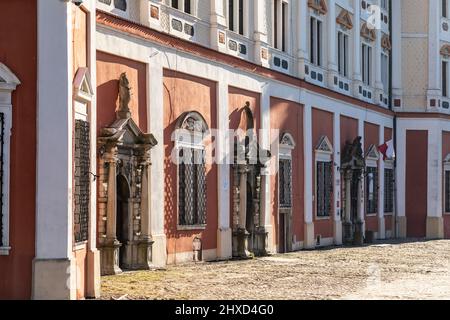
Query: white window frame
<point x="446" y="13"/>
<point x="314" y="56"/>
<point x="8" y="83"/>
<point x="323" y="153"/>
<point x="385" y="54"/>
<point x="236" y="24"/>
<point x="280" y="36"/>
<point x="182" y="8"/>
<point x="368" y="65"/>
<point x="346" y="58"/>
<point x="447" y="72"/>
<point x="111" y="8"/>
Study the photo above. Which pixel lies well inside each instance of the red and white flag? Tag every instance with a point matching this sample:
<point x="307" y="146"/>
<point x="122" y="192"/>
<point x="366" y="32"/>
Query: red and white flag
<point x="387" y="149"/>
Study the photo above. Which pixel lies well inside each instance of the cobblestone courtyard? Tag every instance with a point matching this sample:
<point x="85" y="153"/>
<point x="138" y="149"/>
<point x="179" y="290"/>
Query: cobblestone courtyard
<point x="385" y="271"/>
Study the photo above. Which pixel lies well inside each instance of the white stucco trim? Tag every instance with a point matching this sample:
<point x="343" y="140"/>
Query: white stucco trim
<point x="54" y="174"/>
<point x="308" y="179"/>
<point x="125" y="45"/>
<point x="434" y="127"/>
<point x="337" y="161"/>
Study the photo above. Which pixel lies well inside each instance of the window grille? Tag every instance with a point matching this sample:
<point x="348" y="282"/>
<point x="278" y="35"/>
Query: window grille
<point x="82" y="180"/>
<point x="372" y="190"/>
<point x="388" y="190"/>
<point x="285" y="174"/>
<point x="192" y="187"/>
<point x="324" y="188"/>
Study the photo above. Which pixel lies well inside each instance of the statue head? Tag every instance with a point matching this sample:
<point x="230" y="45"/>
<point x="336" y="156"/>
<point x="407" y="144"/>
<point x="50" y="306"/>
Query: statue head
<point x="124" y="97"/>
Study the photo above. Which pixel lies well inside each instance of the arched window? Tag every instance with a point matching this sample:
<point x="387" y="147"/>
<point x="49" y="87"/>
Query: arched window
<point x="324" y="178"/>
<point x="8" y="83"/>
<point x="189" y="143"/>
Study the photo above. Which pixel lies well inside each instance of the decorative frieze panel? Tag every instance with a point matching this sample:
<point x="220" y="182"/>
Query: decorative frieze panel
<point x="368" y="33"/>
<point x="318" y="5"/>
<point x="386" y="42"/>
<point x="345" y="19"/>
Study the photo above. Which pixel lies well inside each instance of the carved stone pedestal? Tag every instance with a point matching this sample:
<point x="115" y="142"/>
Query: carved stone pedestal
<point x="109" y="259"/>
<point x="348" y="232"/>
<point x="359" y="234"/>
<point x="240" y="244"/>
<point x="259" y="245"/>
<point x="144" y="255"/>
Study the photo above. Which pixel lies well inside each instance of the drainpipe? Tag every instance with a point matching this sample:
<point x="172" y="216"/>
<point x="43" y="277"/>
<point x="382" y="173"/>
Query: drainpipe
<point x="394" y="124"/>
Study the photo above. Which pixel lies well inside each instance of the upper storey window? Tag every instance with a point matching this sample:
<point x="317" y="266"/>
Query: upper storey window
<point x="445" y="54"/>
<point x="280" y="24"/>
<point x="366" y="64"/>
<point x="183" y="5"/>
<point x="343" y="53"/>
<point x="236" y="16"/>
<point x="386" y="45"/>
<point x="384" y="4"/>
<point x="345" y="24"/>
<point x="318" y="8"/>
<point x="444" y="8"/>
<point x="118" y="4"/>
<point x="369" y="36"/>
<point x="315" y="46"/>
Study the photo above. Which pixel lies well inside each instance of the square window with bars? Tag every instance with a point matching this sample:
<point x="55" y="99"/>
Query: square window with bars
<point x="324" y="192"/>
<point x="192" y="187"/>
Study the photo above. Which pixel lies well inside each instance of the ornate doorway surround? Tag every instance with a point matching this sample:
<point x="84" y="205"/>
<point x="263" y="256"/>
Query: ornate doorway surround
<point x="249" y="234"/>
<point x="352" y="170"/>
<point x="124" y="160"/>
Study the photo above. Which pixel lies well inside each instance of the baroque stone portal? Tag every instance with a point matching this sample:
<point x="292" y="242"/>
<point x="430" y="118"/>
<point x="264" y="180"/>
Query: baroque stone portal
<point x="249" y="234"/>
<point x="352" y="169"/>
<point x="124" y="235"/>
